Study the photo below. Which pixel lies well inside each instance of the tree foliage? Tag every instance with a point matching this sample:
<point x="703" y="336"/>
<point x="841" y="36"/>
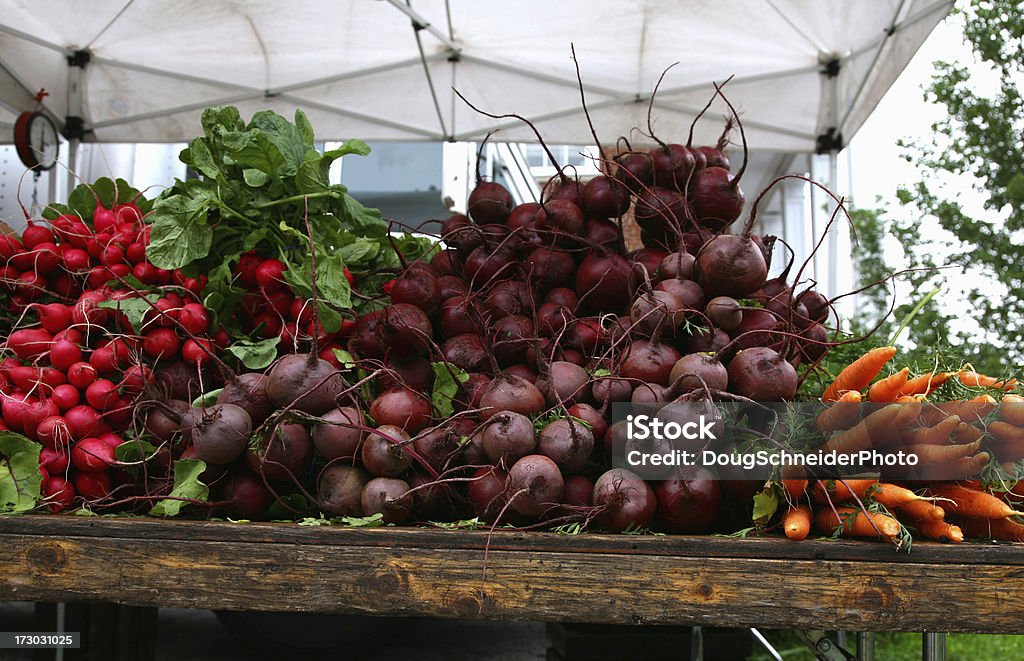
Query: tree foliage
<point x="979" y="145"/>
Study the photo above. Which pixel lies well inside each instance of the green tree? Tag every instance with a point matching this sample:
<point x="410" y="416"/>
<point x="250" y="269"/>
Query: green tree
<point x="980" y="141"/>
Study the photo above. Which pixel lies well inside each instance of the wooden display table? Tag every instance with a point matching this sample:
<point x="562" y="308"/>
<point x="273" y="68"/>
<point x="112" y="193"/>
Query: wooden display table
<point x="591" y="578"/>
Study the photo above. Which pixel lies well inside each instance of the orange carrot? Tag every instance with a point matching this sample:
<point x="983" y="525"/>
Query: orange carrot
<point x="969" y="410"/>
<point x="1004" y="431"/>
<point x="860" y="373"/>
<point x="938" y="433"/>
<point x="930" y="455"/>
<point x="971" y="503"/>
<point x="856" y="523"/>
<point x="972" y="379"/>
<point x="919" y="510"/>
<point x="909" y="399"/>
<point x="840" y="491"/>
<point x="940" y="530"/>
<point x="1011" y="450"/>
<point x="1006" y="530"/>
<point x="841" y="414"/>
<point x="966" y="433"/>
<point x="969" y="466"/>
<point x="892" y="495"/>
<point x="797" y="522"/>
<point x="924" y="384"/>
<point x="873" y="431"/>
<point x="795" y="489"/>
<point x="1011" y="409"/>
<point x="888" y="389"/>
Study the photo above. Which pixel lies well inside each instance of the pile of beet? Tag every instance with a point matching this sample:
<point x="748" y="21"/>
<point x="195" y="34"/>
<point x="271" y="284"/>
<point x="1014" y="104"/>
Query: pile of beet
<point x="482" y="388"/>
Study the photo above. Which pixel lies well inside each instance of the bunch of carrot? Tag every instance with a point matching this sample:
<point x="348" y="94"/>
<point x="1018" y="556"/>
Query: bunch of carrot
<point x="846" y="507"/>
<point x="961" y="436"/>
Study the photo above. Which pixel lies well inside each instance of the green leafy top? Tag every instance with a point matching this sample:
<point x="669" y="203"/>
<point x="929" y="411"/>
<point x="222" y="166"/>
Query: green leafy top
<point x="258" y="183"/>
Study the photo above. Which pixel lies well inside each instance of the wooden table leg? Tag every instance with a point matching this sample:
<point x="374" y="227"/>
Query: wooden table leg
<point x="111" y="632"/>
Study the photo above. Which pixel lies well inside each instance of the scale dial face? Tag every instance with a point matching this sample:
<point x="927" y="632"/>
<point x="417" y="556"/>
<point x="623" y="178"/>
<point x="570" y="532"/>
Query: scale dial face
<point x="36" y="140"/>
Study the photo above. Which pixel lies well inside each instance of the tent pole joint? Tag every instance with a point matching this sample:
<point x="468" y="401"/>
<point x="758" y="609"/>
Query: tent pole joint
<point x="79" y="58"/>
<point x="830" y="68"/>
<point x="828" y="142"/>
<point x="74" y="127"/>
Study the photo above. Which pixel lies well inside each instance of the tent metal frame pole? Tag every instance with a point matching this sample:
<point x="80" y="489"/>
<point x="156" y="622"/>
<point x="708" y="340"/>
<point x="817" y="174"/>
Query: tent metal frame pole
<point x="30" y="96"/>
<point x="364" y="118"/>
<point x="34" y="39"/>
<point x="173" y="75"/>
<point x="75" y="110"/>
<point x="120" y="121"/>
<point x="358" y="73"/>
<point x="418" y="20"/>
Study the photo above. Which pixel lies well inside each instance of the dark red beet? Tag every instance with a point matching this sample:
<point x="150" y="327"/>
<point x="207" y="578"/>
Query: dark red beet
<point x="717" y="201"/>
<point x="605" y="197"/>
<point x="458" y="315"/>
<point x="451" y="285"/>
<point x="763" y="375"/>
<point x="483" y="265"/>
<point x="467" y="351"/>
<point x="673" y="165"/>
<point x="731" y="265"/>
<point x="459" y="233"/>
<point x="489" y="202"/>
<point x="635" y="170"/>
<point x="689" y="503"/>
<point x="591" y="416"/>
<point x="403" y="330"/>
<point x="661" y="208"/>
<point x="447" y="262"/>
<point x="649" y="362"/>
<point x="511" y="337"/>
<point x="676" y="265"/>
<point x="548" y="268"/>
<point x="602" y="234"/>
<point x="602" y="282"/>
<point x="695" y="370"/>
<point x="419" y="288"/>
<point x="629" y="501"/>
<point x="339" y="490"/>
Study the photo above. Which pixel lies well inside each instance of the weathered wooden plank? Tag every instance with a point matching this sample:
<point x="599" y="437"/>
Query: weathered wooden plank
<point x="551" y="585"/>
<point x="407" y="537"/>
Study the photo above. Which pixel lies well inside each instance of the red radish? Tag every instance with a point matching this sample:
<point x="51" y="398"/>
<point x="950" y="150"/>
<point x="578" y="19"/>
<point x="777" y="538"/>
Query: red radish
<point x="81" y="374"/>
<point x="135" y="252"/>
<point x="103" y="219"/>
<point x="66" y="396"/>
<point x="83" y="420"/>
<point x="64" y="354"/>
<point x="29" y="343"/>
<point x="36" y="234"/>
<point x="161" y="343"/>
<point x="53" y="317"/>
<point x="194" y="318"/>
<point x="58" y="493"/>
<point x="55" y="461"/>
<point x="270" y="274"/>
<point x="53" y="432"/>
<point x="111" y="255"/>
<point x="104" y="360"/>
<point x="197" y="350"/>
<point x="101" y="394"/>
<point x="146" y="273"/>
<point x="92" y="454"/>
<point x="111" y="439"/>
<point x="76" y="260"/>
<point x="135" y="379"/>
<point x="92" y="486"/>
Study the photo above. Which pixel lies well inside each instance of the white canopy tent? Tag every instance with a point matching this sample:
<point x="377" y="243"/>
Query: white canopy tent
<point x="806" y="73"/>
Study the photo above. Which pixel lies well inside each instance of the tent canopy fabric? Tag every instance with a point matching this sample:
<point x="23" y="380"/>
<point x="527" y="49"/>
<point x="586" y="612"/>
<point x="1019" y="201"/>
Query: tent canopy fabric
<point x="140" y="71"/>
